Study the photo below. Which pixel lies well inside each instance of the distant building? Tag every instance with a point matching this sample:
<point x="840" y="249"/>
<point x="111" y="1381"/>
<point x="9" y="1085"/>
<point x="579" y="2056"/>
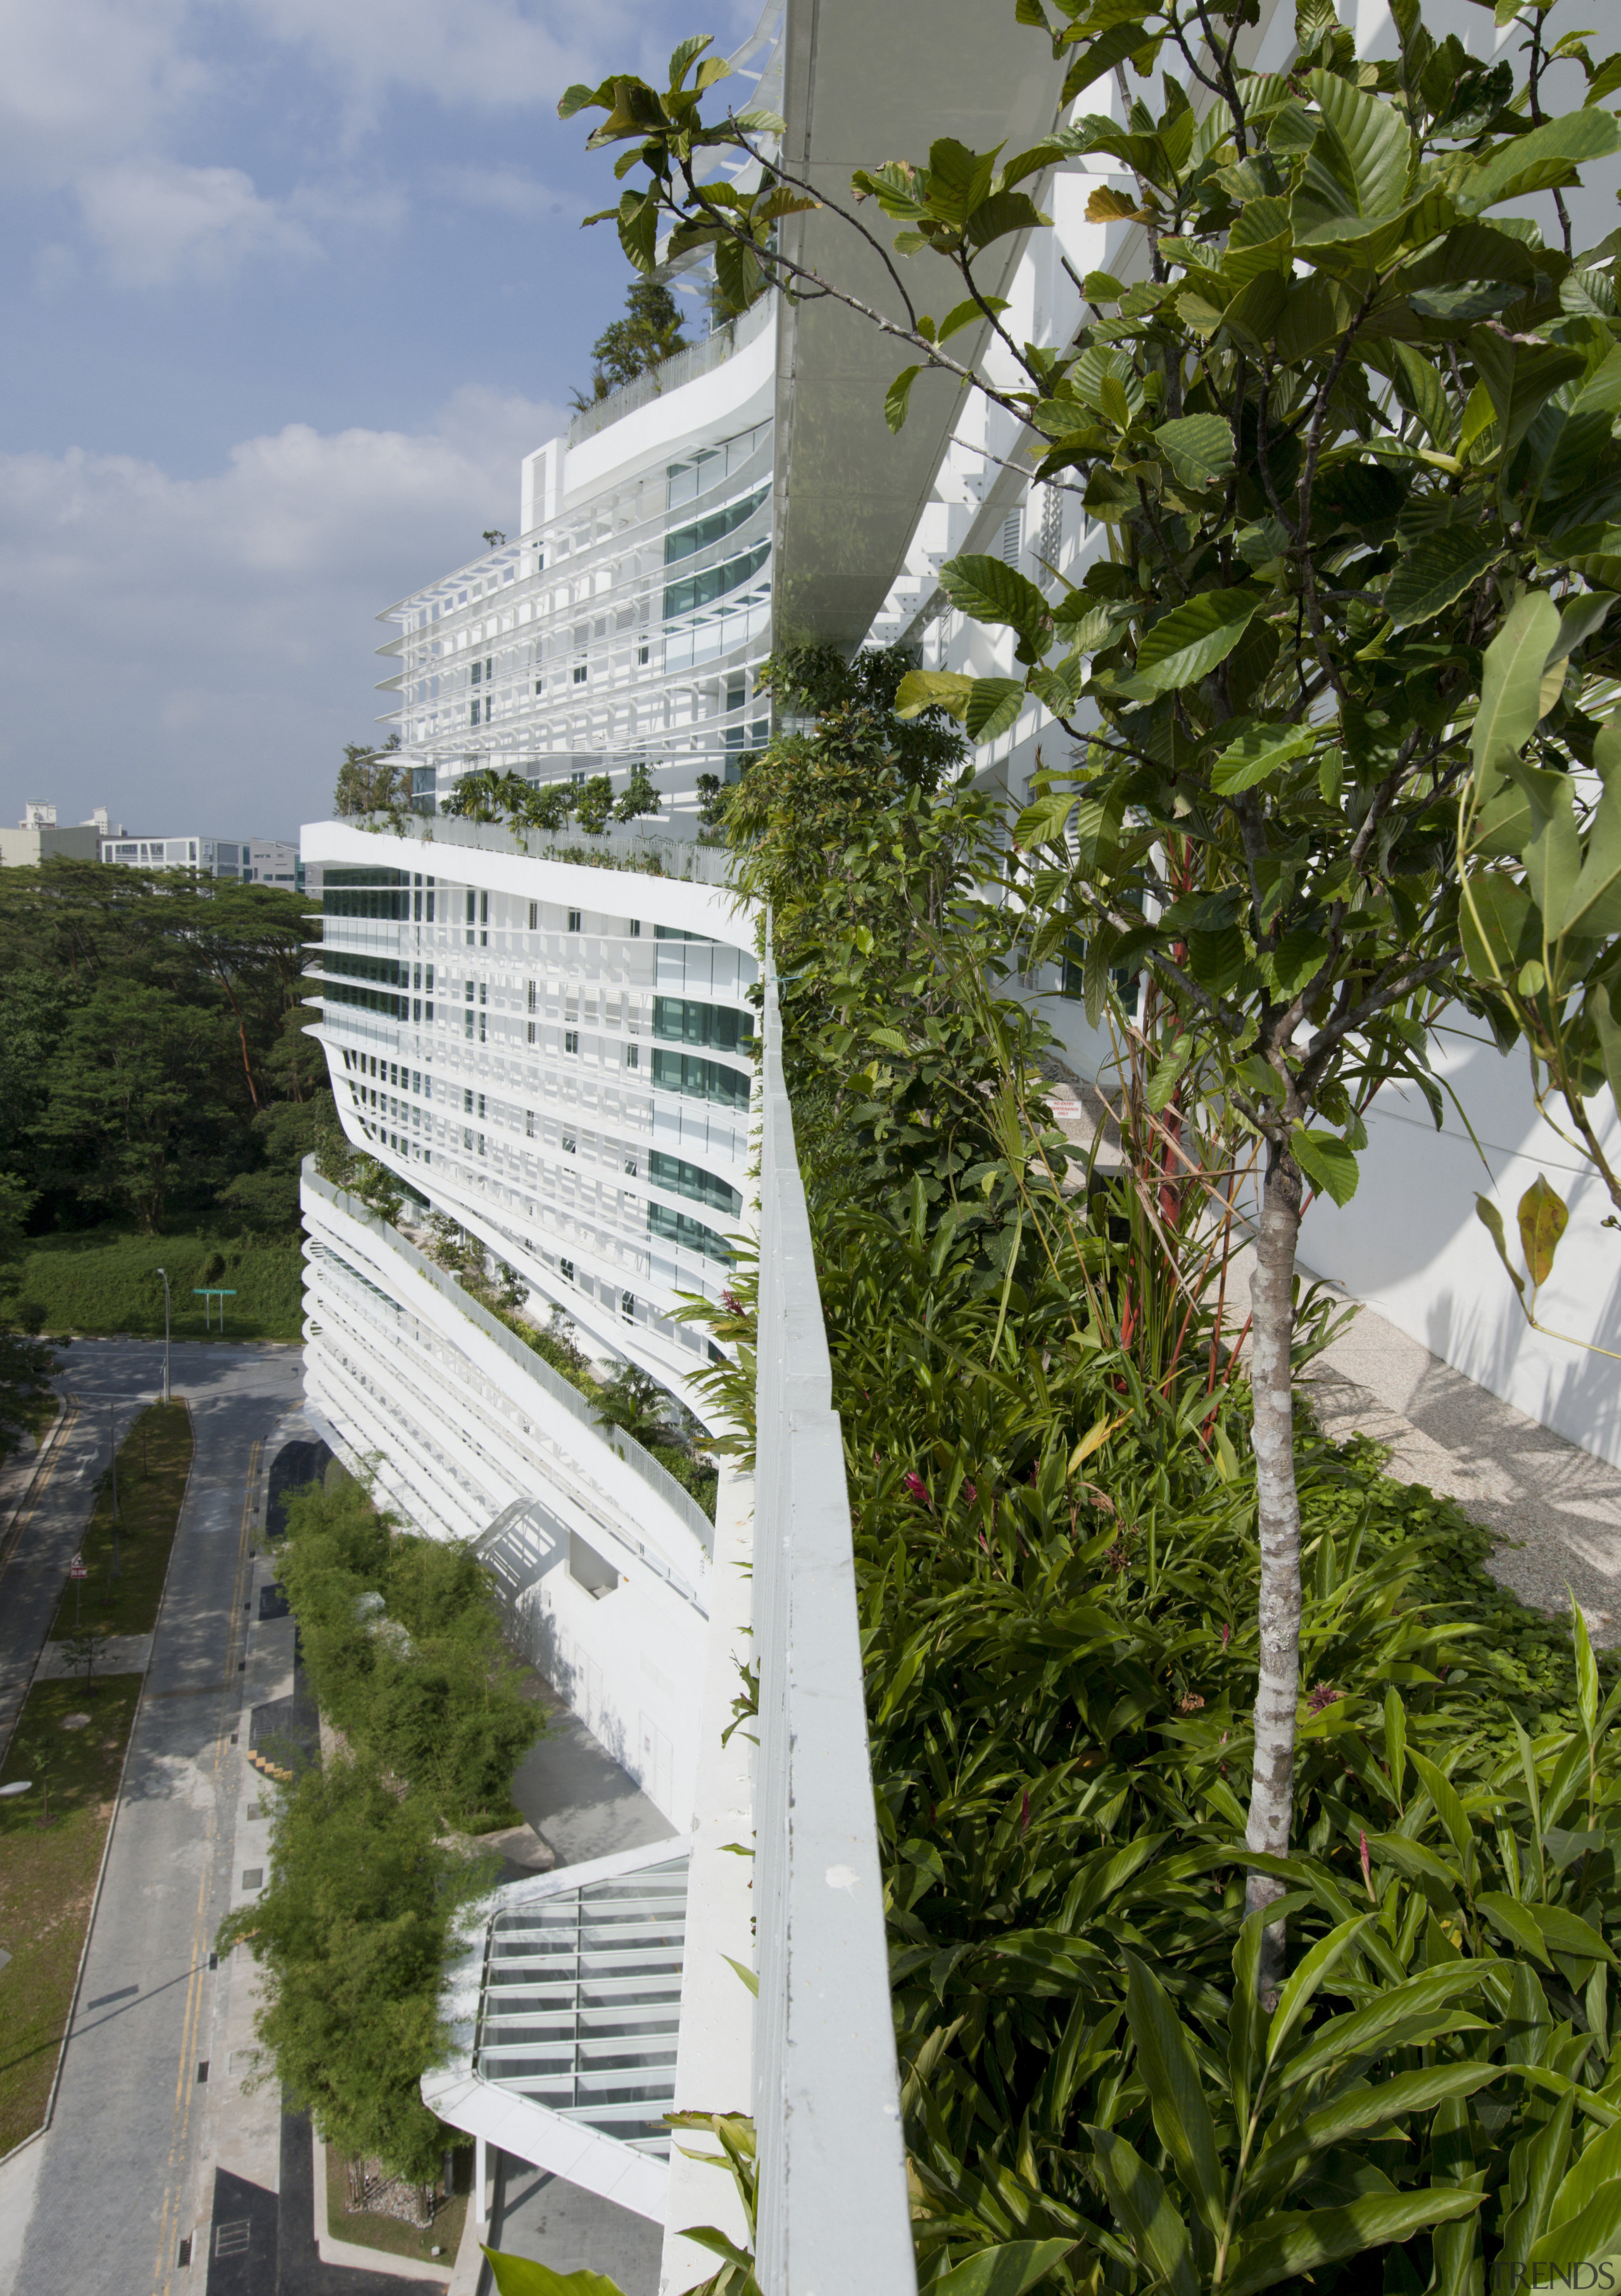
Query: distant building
<point x="254" y="860"/>
<point x="38" y="838"/>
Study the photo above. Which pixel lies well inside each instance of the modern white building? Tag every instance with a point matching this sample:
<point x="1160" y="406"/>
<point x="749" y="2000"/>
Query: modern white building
<point x="255" y="860"/>
<point x="553" y="1042"/>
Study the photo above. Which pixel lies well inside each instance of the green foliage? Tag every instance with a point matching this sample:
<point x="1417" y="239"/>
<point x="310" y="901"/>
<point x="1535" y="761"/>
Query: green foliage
<point x="371" y="781"/>
<point x="404" y="1647"/>
<point x="647" y="334"/>
<point x="351" y="1937"/>
<point x="154" y="1031"/>
<point x="490" y="797"/>
<point x="105" y="1280"/>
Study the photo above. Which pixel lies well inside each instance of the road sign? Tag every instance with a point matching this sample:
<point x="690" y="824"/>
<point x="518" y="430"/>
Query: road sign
<point x="76" y="1569"/>
<point x="208" y="1294"/>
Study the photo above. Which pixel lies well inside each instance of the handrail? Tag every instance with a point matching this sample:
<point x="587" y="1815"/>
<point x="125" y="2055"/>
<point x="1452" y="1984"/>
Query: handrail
<point x="833" y="2208"/>
<point x="535" y="1367"/>
<point x="671" y="374"/>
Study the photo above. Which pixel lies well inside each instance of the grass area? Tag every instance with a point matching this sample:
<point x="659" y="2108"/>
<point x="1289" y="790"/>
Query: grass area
<point x="153" y="1462"/>
<point x="388" y="2233"/>
<point x="47" y="1875"/>
<point x="105" y="1280"/>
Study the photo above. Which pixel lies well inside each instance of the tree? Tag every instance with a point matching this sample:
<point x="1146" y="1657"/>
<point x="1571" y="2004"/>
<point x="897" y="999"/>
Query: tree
<point x="351" y="1938"/>
<point x="1342" y="424"/>
<point x="647" y="334"/>
<point x="124" y="1088"/>
<point x="369" y="781"/>
<point x="28" y="1364"/>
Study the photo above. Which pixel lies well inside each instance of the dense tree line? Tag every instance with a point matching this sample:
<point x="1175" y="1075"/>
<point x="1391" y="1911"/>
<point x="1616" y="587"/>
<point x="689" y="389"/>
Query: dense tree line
<point x="154" y="1067"/>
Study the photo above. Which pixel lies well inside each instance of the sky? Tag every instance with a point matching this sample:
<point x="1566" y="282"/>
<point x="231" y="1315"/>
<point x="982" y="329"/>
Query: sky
<point x="292" y="286"/>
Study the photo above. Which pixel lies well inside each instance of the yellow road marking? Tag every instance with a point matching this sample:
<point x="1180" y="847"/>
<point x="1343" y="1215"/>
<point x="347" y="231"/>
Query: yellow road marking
<point x="186" y="2079"/>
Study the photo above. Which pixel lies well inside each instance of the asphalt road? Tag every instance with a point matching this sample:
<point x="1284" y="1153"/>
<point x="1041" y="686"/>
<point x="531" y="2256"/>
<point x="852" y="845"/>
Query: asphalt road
<point x="116" y="2185"/>
<point x="41" y="1540"/>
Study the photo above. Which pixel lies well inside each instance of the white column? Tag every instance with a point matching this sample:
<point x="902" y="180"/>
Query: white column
<point x="480" y="2197"/>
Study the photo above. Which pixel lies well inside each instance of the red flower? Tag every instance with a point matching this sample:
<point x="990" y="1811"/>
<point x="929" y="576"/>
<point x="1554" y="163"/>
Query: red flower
<point x="1324" y="1694"/>
<point x="970" y="1493"/>
<point x="1226" y="1636"/>
<point x="730" y="1301"/>
<point x="916" y="1486"/>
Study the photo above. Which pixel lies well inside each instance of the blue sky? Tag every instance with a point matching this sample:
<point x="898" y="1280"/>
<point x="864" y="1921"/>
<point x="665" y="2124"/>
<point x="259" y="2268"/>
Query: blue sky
<point x="290" y="285"/>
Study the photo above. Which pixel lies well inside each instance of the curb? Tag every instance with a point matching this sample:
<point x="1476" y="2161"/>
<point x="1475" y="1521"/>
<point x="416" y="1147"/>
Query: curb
<point x="333" y="2250"/>
<point x="47" y="1442"/>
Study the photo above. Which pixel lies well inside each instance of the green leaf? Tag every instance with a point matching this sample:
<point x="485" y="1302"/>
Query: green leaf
<point x="968" y="314"/>
<point x="1362" y="2109"/>
<point x="1510" y="1919"/>
<point x="1245" y="2028"/>
<point x="1143" y="2209"/>
<point x="1006" y="2270"/>
<point x="1600" y="2165"/>
<point x="1003" y="213"/>
<point x="1552" y="856"/>
<point x="1402" y="2010"/>
<point x="1258" y="753"/>
<point x="989" y="590"/>
<point x="1449" y="1809"/>
<point x="1499" y="926"/>
<point x="1539" y="162"/>
<point x="1543" y="2156"/>
<point x="1520" y="378"/>
<point x="1567" y="439"/>
<point x="1543" y="1218"/>
<point x="1168" y="1072"/>
<point x="521" y="2276"/>
<point x="1190" y="641"/>
<point x="993" y="706"/>
<point x="1439" y="568"/>
<point x="1326" y="1162"/>
<point x="1289" y="2245"/>
<point x="1200" y="447"/>
<point x="1359" y="162"/>
<point x="1177" y="2095"/>
<point x="933" y="689"/>
<point x="897" y="394"/>
<point x="1110" y="48"/>
<point x="1298" y="1993"/>
<point x="1594" y="2233"/>
<point x="1566" y="1933"/>
<point x="1594" y="908"/>
<point x="1510" y="684"/>
<point x="1586" y="1675"/>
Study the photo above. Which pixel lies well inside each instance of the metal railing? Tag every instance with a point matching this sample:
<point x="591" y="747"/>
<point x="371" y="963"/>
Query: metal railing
<point x="670" y="373"/>
<point x="683" y="858"/>
<point x="833" y="2208"/>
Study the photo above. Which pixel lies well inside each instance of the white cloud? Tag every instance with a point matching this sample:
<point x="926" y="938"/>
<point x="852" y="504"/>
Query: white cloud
<point x="89" y="80"/>
<point x="506" y="189"/>
<point x="231" y="618"/>
<point x="155" y="222"/>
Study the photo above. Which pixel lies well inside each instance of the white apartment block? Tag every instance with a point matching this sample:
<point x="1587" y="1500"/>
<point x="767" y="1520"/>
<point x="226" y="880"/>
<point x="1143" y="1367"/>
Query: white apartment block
<point x="562" y="1058"/>
<point x="257" y="860"/>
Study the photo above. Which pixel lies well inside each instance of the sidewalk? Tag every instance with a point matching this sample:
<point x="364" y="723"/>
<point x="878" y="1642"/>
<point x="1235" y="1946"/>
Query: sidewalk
<point x="1557" y="1508"/>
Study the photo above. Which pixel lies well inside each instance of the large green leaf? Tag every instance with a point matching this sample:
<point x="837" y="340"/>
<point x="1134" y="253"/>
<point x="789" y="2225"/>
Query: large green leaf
<point x="1439" y="568"/>
<point x="1362" y="2109"/>
<point x="1390" y="2021"/>
<point x="1600" y="2165"/>
<point x="1257" y="753"/>
<point x="1177" y="2095"/>
<point x="1520" y="378"/>
<point x="1511" y="685"/>
<point x="1546" y="157"/>
<point x="1359" y="163"/>
<point x="989" y="590"/>
<point x="1192" y="639"/>
<point x="1143" y="2209"/>
<point x="1567" y="437"/>
<point x="1318" y="1965"/>
<point x="1541" y="2158"/>
<point x="1200" y="447"/>
<point x="1553" y="856"/>
<point x="1286" y="2246"/>
<point x="1582" y="2239"/>
<point x="1512" y="1921"/>
<point x="521" y="2276"/>
<point x="1328" y="1162"/>
<point x="1006" y="2270"/>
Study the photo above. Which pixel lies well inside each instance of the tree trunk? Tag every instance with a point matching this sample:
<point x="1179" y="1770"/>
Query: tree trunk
<point x="1272" y="1295"/>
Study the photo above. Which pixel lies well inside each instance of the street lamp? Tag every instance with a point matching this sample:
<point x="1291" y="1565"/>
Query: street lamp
<point x="164" y="1335"/>
<point x="112" y="1464"/>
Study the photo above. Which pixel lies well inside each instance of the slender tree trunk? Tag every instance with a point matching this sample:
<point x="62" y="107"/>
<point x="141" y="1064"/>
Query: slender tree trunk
<point x="1278" y="1689"/>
